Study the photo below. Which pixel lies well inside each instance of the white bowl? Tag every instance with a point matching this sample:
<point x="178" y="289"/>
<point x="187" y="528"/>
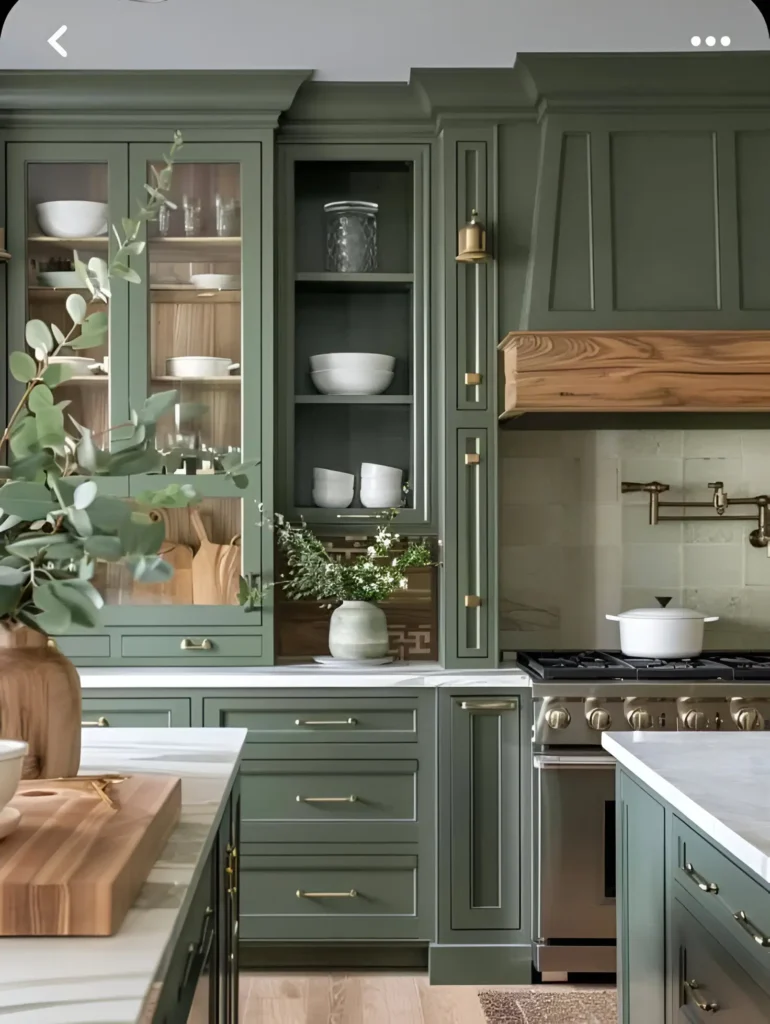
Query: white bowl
<point x="352" y="382"/>
<point x="364" y="361"/>
<point x="381" y="497"/>
<point x="81" y="365"/>
<point x="60" y="279"/>
<point x="334" y="476"/>
<point x="219" y="282"/>
<point x="12" y="754"/>
<point x="199" y="366"/>
<point x="381" y="474"/>
<point x="72" y="218"/>
<point x="325" y="498"/>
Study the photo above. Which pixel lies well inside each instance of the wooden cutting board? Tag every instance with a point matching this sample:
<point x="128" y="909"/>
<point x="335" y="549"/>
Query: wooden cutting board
<point x="75" y="866"/>
<point x="215" y="567"/>
<point x="178" y="589"/>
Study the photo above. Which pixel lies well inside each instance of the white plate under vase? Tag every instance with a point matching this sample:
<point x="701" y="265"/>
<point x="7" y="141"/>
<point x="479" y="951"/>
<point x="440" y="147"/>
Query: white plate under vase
<point x="328" y="662"/>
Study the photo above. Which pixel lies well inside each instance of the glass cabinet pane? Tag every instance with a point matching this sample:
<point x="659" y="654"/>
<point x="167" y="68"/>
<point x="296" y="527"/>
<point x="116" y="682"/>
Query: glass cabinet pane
<point x="195" y="316"/>
<point x="67" y="213"/>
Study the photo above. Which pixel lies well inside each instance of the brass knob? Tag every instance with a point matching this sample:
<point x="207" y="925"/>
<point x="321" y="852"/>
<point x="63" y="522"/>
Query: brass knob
<point x="640" y="719"/>
<point x="558" y="718"/>
<point x="749" y="719"/>
<point x="696" y="720"/>
<point x="599" y="719"/>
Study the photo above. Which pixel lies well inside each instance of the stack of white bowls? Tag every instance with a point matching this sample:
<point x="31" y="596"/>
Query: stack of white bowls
<point x="380" y="486"/>
<point x="352" y="373"/>
<point x="332" y="489"/>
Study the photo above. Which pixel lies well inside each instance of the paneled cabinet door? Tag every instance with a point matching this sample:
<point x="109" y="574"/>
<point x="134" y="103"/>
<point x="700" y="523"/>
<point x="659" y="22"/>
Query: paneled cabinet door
<point x="485" y="809"/>
<point x="641" y="903"/>
<point x="472" y="577"/>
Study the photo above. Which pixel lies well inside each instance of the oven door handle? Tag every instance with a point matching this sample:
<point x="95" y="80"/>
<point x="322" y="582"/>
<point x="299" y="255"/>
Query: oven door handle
<point x="564" y="762"/>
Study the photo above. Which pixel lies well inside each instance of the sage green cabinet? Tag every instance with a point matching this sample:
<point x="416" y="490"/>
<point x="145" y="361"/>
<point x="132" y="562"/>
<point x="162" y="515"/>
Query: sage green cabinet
<point x="137" y="712"/>
<point x="641" y="897"/>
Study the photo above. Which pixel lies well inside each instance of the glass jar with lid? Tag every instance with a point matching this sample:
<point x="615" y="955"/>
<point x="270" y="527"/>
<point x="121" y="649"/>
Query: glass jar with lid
<point x="351" y="237"/>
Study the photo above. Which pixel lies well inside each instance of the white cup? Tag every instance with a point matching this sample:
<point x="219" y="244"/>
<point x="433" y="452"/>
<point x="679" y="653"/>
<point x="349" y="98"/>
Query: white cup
<point x="333" y="476"/>
<point x="380" y="495"/>
<point x="371" y="471"/>
<point x="327" y="497"/>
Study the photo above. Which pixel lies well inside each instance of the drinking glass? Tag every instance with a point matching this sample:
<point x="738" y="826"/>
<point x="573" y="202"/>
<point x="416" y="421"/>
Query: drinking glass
<point x="228" y="216"/>
<point x="193" y="211"/>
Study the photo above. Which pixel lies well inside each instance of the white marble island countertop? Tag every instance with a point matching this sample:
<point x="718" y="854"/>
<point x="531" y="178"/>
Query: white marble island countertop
<point x="718" y="781"/>
<point x="110" y="980"/>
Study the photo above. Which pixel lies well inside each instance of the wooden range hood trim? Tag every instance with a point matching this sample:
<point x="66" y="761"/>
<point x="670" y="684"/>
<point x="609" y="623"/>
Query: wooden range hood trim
<point x="636" y="371"/>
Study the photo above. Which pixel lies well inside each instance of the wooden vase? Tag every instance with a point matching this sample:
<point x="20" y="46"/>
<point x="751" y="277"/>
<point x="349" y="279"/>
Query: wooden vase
<point x="40" y="703"/>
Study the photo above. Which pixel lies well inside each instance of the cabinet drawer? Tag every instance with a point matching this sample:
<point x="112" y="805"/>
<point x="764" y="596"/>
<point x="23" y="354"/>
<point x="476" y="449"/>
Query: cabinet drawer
<point x="708" y="982"/>
<point x="329" y="801"/>
<point x="196" y="647"/>
<point x="328" y="897"/>
<point x="331" y="720"/>
<point x="735" y="899"/>
<point x="79" y="647"/>
<point x="123" y="712"/>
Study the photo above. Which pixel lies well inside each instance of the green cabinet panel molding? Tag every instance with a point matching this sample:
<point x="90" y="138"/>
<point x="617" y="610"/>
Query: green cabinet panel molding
<point x="137" y="712"/>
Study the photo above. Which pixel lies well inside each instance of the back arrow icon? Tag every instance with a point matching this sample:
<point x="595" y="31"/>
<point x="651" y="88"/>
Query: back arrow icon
<point x="54" y="41"/>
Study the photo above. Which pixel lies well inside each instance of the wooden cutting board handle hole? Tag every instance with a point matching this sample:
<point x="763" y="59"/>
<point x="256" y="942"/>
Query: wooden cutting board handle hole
<point x="38" y="792"/>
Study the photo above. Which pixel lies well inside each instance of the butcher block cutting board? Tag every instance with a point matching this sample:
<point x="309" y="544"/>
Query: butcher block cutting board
<point x="75" y="865"/>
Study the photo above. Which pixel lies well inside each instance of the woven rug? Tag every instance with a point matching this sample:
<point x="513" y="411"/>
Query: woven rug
<point x="542" y="1005"/>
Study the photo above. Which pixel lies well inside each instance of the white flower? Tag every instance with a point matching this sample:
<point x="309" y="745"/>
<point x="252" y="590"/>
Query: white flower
<point x="371" y="552"/>
<point x="403" y="583"/>
<point x="394" y="562"/>
<point x="397" y="535"/>
<point x="387" y="541"/>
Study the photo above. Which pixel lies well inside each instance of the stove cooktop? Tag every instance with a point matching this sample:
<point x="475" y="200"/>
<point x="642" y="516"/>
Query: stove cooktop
<point x="577" y="666"/>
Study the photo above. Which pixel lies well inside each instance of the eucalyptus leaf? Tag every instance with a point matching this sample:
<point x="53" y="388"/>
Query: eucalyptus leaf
<point x="125" y="273"/>
<point x="96" y="324"/>
<point x="9" y="601"/>
<point x="85" y="494"/>
<point x="24" y="440"/>
<point x="85" y="340"/>
<point x="80" y="521"/>
<point x="82" y="271"/>
<point x="50" y="427"/>
<point x="134" y="248"/>
<point x="57" y="373"/>
<point x="107" y="549"/>
<point x="156" y="405"/>
<point x="22" y="366"/>
<point x="80" y="606"/>
<point x="132" y="463"/>
<point x="40" y="397"/>
<point x="28" y="500"/>
<point x="99" y="269"/>
<point x="142" y="538"/>
<point x="33" y="466"/>
<point x="241" y="482"/>
<point x="55" y="616"/>
<point x="12" y="577"/>
<point x="150" y="570"/>
<point x="38" y="336"/>
<point x="33" y="545"/>
<point x="82" y="586"/>
<point x="77" y="308"/>
<point x="108" y="514"/>
<point x="9" y="522"/>
<point x="86" y="454"/>
<point x="58" y="334"/>
<point x="129" y="227"/>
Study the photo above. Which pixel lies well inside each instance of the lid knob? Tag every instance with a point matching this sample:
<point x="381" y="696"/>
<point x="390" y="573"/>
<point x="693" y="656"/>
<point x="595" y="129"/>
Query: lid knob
<point x="663" y="601"/>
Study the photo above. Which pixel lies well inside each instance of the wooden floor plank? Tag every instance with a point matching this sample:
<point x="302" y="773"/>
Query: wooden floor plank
<point x="445" y="1004"/>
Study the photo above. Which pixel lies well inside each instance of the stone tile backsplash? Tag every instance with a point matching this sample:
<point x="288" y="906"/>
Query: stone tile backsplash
<point x="573" y="548"/>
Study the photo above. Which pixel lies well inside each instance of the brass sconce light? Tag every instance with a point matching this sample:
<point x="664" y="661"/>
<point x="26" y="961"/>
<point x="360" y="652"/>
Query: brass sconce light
<point x="472" y="242"/>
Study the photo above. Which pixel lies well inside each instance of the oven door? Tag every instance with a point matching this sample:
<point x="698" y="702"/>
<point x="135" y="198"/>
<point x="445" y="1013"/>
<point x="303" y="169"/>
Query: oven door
<point x="574" y="909"/>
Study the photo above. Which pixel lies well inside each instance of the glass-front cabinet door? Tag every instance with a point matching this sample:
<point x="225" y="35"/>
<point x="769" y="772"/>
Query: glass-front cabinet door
<point x="353" y="339"/>
<point x="61" y="200"/>
<point x="196" y="329"/>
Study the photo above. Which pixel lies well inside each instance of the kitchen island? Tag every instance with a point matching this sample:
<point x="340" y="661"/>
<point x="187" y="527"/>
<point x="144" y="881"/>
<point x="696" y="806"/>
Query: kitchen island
<point x="180" y="934"/>
<point x="693" y="887"/>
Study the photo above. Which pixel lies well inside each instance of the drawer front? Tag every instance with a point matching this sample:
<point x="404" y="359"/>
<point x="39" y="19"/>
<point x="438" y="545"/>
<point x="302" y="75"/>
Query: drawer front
<point x="79" y="647"/>
<point x="708" y="982"/>
<point x="329" y="801"/>
<point x="124" y="712"/>
<point x="735" y="899"/>
<point x="331" y="720"/>
<point x="329" y="897"/>
<point x="195" y="647"/>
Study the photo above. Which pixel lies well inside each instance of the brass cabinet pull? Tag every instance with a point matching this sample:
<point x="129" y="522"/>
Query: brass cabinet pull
<point x="700" y="881"/>
<point x="757" y="936"/>
<point x="472" y="458"/>
<point x="100" y="722"/>
<point x="489" y="705"/>
<point x="693" y="987"/>
<point x="327" y="721"/>
<point x="327" y="799"/>
<point x="195" y="645"/>
<point x="326" y="895"/>
<point x="472" y="379"/>
<point x="472" y="601"/>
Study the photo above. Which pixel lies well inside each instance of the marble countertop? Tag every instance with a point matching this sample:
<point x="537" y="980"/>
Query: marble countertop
<point x="718" y="781"/>
<point x="101" y="980"/>
<point x="402" y="674"/>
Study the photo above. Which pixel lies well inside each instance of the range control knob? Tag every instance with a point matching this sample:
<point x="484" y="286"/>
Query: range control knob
<point x="640" y="719"/>
<point x="599" y="719"/>
<point x="749" y="719"/>
<point x="558" y="718"/>
<point x="696" y="720"/>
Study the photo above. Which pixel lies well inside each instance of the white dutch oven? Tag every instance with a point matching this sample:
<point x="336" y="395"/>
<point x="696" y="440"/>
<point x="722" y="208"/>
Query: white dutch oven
<point x="661" y="632"/>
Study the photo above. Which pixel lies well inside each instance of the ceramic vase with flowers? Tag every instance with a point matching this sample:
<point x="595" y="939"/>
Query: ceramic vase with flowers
<point x="358" y="630"/>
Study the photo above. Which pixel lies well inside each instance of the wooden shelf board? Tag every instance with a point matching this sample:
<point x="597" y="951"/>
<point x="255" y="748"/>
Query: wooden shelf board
<point x="353" y="399"/>
<point x="93" y="242"/>
<point x="376" y="281"/>
<point x="197" y="380"/>
<point x="196" y="249"/>
<point x="89" y="378"/>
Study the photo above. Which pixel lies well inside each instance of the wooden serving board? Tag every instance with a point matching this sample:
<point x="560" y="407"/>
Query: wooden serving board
<point x="75" y="866"/>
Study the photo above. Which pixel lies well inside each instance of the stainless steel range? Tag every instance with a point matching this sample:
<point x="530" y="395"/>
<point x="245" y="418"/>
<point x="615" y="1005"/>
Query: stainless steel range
<point x="578" y="695"/>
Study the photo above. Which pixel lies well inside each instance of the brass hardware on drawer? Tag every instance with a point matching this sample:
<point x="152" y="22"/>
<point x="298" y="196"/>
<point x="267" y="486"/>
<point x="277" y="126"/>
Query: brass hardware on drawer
<point x="326" y="895"/>
<point x="196" y="645"/>
<point x="327" y="721"/>
<point x="693" y="987"/>
<point x="472" y="379"/>
<point x="326" y="799"/>
<point x="492" y="705"/>
<point x="472" y="459"/>
<point x="757" y="936"/>
<point x="51" y="643"/>
<point x="472" y="601"/>
<point x="100" y="722"/>
<point x="700" y="881"/>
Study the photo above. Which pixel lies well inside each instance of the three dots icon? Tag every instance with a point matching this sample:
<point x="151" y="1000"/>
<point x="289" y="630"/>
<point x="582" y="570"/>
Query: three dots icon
<point x="710" y="41"/>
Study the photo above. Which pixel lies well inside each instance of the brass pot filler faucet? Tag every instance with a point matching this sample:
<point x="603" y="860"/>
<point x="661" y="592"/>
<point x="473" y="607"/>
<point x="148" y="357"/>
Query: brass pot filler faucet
<point x="758" y="538"/>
